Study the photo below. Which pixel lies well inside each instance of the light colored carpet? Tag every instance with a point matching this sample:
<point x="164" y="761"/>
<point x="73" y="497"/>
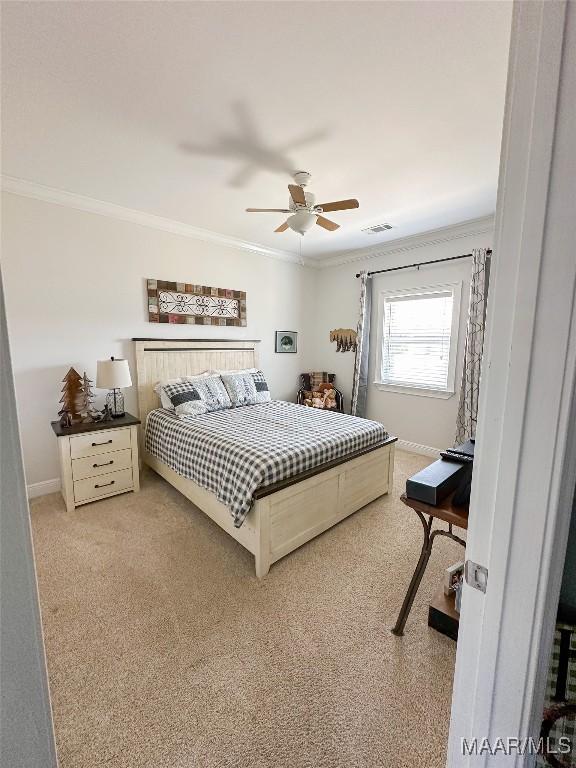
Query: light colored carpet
<point x="165" y="651"/>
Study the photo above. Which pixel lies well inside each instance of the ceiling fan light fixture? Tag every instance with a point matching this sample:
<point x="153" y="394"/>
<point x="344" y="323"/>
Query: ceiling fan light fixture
<point x="301" y="221"/>
<point x="305" y="212"/>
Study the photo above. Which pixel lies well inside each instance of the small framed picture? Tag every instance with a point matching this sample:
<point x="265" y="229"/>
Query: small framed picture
<point x="286" y="341"/>
<point x="452" y="577"/>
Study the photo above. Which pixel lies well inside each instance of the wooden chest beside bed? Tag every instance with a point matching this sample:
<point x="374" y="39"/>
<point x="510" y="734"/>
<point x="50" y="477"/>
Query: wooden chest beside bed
<point x="285" y="515"/>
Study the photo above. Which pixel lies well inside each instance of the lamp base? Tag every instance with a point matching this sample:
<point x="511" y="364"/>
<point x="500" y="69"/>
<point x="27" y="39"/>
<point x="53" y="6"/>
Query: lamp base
<point x="115" y="402"/>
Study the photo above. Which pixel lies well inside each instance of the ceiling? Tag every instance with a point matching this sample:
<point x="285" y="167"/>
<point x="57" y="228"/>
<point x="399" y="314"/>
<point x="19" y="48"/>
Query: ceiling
<point x="196" y="110"/>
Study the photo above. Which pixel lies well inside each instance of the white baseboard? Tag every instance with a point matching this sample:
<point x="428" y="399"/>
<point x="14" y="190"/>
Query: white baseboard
<point x="425" y="450"/>
<point x="43" y="488"/>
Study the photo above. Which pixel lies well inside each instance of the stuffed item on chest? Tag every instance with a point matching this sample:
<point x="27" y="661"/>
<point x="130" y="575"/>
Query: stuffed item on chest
<point x="323" y="397"/>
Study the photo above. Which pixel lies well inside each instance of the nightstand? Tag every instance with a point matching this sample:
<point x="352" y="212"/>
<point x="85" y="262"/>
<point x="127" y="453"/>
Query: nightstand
<point x="98" y="459"/>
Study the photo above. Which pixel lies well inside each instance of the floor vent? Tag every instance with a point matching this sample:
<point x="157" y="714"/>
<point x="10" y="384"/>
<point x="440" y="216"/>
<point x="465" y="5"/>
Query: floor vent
<point x="377" y="228"/>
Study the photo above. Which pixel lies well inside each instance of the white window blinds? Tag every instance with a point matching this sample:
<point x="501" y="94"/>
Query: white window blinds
<point x="416" y="340"/>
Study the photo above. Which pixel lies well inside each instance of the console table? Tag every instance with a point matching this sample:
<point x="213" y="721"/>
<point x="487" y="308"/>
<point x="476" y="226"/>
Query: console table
<point x="448" y="513"/>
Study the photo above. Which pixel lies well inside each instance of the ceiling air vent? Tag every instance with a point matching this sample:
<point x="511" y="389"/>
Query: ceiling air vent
<point x="377" y="228"/>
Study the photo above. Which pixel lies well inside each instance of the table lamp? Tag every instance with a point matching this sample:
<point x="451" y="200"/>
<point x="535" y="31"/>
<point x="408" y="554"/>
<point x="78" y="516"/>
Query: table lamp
<point x="113" y="374"/>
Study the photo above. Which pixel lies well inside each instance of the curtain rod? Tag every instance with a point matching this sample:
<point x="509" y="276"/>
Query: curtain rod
<point x="422" y="263"/>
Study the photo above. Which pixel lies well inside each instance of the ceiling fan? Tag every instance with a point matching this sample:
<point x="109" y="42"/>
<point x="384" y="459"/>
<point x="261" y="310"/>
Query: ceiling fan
<point x="305" y="212"/>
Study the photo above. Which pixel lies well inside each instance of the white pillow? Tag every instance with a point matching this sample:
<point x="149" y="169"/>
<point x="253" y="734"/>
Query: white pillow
<point x="235" y="373"/>
<point x="159" y="387"/>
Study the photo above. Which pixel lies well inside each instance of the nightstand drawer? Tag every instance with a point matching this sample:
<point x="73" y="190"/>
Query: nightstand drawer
<point x="94" y="487"/>
<point x="94" y="443"/>
<point x="92" y="466"/>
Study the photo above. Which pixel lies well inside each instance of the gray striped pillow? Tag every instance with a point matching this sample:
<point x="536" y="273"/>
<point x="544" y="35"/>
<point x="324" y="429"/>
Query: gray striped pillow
<point x="246" y="388"/>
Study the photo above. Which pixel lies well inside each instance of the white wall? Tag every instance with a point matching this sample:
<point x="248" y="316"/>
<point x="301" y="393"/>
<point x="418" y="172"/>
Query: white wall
<point x="426" y="421"/>
<point x="75" y="293"/>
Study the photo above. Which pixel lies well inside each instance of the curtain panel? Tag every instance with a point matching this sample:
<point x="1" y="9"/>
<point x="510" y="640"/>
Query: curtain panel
<point x="474" y="346"/>
<point x="360" y="377"/>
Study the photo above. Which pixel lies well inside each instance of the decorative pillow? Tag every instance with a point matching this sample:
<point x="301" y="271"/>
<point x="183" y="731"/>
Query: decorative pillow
<point x="241" y="388"/>
<point x="184" y="395"/>
<point x="164" y="398"/>
<point x="197" y="396"/>
<point x="262" y="391"/>
<point x="246" y="388"/>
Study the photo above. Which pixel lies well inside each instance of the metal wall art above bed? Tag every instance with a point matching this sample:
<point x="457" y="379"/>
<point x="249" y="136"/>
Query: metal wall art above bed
<point x="185" y="303"/>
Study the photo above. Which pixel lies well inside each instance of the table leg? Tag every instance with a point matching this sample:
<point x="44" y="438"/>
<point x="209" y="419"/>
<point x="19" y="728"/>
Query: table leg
<point x="417" y="576"/>
<point x="421" y="567"/>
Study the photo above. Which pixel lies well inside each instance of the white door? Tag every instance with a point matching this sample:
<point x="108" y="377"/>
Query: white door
<point x="525" y="467"/>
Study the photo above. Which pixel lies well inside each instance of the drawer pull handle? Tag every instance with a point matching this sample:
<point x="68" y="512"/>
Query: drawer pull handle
<point x="104" y="464"/>
<point x="105" y="484"/>
<point x="104" y="443"/>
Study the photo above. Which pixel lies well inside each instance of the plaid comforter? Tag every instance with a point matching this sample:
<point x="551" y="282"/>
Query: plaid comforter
<point x="234" y="452"/>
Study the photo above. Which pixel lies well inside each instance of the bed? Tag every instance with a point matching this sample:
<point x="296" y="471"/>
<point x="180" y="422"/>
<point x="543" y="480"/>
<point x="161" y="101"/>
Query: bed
<point x="274" y="475"/>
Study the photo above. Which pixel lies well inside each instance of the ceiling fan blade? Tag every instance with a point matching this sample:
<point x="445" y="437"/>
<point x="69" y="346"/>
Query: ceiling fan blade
<point x="268" y="210"/>
<point x="339" y="205"/>
<point x="327" y="224"/>
<point x="282" y="227"/>
<point x="297" y="194"/>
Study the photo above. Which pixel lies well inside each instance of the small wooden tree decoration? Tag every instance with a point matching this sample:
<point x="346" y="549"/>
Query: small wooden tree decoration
<point x="87" y="409"/>
<point x="71" y="398"/>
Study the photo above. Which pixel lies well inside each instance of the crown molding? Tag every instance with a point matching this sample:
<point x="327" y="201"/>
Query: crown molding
<point x="468" y="228"/>
<point x="31" y="189"/>
<point x="47" y="194"/>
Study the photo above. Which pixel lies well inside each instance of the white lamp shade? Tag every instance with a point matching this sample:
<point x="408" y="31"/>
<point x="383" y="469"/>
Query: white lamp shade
<point x="113" y="374"/>
<point x="301" y="221"/>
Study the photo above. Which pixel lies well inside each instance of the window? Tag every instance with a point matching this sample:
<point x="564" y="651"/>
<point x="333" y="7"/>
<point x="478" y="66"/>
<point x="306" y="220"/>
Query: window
<point x="418" y="335"/>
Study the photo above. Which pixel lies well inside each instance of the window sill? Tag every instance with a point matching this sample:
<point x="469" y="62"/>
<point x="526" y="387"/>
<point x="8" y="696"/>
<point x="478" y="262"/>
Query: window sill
<point x="443" y="394"/>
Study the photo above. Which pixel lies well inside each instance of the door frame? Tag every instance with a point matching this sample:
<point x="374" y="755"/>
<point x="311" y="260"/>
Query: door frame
<point x="525" y="465"/>
<point x="26" y="727"/>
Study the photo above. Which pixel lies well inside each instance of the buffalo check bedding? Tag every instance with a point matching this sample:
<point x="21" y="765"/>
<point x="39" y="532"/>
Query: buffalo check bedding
<point x="236" y="451"/>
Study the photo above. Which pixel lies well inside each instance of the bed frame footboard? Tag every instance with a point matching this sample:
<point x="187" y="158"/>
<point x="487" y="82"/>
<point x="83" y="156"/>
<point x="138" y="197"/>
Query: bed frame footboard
<point x="282" y="521"/>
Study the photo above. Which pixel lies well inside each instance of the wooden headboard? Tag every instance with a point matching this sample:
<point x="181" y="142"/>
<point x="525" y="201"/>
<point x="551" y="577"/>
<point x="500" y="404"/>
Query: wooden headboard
<point x="159" y="359"/>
